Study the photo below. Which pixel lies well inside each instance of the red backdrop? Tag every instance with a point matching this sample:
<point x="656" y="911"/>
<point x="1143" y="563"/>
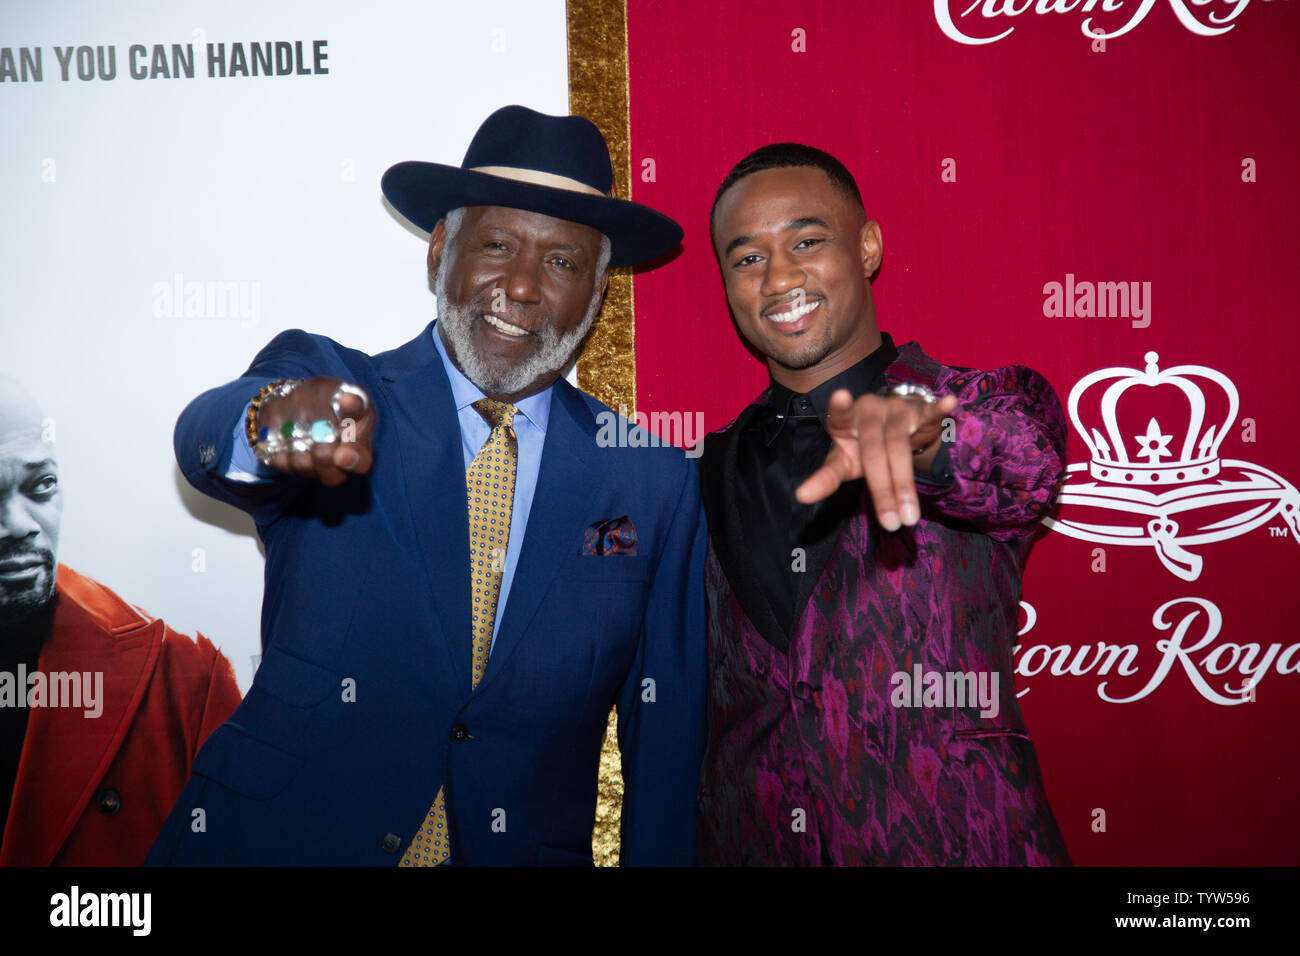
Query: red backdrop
<point x="1167" y="155"/>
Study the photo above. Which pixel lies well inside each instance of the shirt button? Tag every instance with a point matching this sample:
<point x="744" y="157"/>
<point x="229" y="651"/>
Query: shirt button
<point x="108" y="802"/>
<point x="459" y="734"/>
<point x="390" y="843"/>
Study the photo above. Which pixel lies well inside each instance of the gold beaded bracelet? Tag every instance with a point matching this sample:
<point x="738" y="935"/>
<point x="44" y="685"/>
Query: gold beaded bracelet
<point x="276" y="389"/>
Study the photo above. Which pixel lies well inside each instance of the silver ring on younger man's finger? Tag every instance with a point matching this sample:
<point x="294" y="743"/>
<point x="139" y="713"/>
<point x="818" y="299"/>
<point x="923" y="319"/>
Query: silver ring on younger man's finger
<point x="908" y="389"/>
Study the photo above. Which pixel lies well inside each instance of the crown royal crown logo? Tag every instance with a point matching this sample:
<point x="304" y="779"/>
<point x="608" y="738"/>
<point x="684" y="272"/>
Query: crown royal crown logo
<point x="1164" y="485"/>
<point x="1192" y="455"/>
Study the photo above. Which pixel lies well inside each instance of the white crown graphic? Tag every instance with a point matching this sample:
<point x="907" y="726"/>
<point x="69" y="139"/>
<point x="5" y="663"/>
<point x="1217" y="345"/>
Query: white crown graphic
<point x="1166" y="487"/>
<point x="1197" y="454"/>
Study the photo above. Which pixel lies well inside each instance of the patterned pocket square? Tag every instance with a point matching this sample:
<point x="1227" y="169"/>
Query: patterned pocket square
<point x="614" y="536"/>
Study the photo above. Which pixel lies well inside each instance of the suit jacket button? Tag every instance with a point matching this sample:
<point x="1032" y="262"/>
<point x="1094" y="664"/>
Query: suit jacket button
<point x="391" y="843"/>
<point x="459" y="734"/>
<point x="803" y="690"/>
<point x="108" y="801"/>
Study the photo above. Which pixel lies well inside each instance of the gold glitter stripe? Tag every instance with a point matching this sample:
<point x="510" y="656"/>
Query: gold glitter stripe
<point x="598" y="90"/>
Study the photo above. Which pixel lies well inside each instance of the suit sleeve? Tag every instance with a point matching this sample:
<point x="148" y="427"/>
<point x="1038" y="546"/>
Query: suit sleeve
<point x="244" y="465"/>
<point x="207" y="429"/>
<point x="661" y="724"/>
<point x="1006" y="461"/>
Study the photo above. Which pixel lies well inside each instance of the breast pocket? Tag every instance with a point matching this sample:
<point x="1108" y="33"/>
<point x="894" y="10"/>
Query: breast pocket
<point x="604" y="601"/>
<point x="601" y="568"/>
<point x="612" y="588"/>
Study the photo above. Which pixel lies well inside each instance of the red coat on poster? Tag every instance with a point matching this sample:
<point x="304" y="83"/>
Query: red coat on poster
<point x="96" y="781"/>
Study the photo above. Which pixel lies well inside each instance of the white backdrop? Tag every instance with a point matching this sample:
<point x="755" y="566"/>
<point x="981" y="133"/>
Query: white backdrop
<point x="116" y="191"/>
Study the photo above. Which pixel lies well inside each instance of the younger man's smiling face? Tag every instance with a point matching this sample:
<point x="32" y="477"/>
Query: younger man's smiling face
<point x="796" y="256"/>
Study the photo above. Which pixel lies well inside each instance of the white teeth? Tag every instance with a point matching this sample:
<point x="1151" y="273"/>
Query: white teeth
<point x="784" y="318"/>
<point x="504" y="326"/>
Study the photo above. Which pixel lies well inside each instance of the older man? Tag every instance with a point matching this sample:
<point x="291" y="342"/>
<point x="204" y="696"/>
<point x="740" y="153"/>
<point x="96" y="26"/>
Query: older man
<point x="102" y="708"/>
<point x="460" y="581"/>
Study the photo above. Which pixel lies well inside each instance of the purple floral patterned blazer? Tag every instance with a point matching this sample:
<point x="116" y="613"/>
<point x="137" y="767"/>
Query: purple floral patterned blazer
<point x="819" y="753"/>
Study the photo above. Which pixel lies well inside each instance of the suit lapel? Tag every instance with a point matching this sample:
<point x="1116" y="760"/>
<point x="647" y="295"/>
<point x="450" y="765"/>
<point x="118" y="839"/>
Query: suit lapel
<point x="718" y="488"/>
<point x="433" y="466"/>
<point x="844" y="505"/>
<point x="566" y="484"/>
<point x="65" y="752"/>
<point x="848" y="501"/>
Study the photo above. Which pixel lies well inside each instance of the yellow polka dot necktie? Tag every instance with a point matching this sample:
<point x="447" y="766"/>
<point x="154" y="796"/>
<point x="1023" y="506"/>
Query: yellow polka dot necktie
<point x="490" y="486"/>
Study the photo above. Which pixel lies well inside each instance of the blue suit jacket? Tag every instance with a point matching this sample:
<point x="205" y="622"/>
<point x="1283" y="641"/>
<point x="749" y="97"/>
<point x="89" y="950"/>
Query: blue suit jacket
<point x="367" y="597"/>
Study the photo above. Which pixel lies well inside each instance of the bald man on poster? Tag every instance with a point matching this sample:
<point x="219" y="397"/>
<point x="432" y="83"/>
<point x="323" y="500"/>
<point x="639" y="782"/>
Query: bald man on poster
<point x="102" y="708"/>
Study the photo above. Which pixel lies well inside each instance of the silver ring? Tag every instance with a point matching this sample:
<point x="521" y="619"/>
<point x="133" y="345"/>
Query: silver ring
<point x="273" y="445"/>
<point x="322" y="432"/>
<point x="347" y="388"/>
<point x="275" y="442"/>
<point x="908" y="389"/>
<point x="298" y="439"/>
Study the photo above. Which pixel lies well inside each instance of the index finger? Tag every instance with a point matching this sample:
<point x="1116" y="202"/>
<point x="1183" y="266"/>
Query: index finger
<point x="822" y="483"/>
<point x="840" y="419"/>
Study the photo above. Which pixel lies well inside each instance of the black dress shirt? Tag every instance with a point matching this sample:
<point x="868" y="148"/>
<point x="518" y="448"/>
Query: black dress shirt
<point x="20" y="644"/>
<point x="781" y="446"/>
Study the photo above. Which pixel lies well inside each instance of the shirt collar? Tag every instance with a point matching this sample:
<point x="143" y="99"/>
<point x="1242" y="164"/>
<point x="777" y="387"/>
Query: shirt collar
<point x="860" y="378"/>
<point x="535" y="408"/>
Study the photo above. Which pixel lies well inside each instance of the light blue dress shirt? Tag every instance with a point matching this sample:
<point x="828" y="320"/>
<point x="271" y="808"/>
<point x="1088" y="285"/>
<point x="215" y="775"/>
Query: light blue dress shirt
<point x="530" y="430"/>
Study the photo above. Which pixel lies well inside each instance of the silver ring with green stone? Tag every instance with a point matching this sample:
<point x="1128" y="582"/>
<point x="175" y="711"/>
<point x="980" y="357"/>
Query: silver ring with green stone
<point x="298" y="435"/>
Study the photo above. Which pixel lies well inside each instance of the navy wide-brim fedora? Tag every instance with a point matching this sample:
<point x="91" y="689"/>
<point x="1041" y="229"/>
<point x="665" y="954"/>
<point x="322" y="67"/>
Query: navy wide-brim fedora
<point x="555" y="165"/>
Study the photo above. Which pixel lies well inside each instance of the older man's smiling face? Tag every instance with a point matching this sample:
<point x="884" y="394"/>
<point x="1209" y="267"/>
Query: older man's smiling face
<point x="517" y="292"/>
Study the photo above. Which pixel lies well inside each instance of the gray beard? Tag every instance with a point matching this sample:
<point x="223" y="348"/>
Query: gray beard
<point x="552" y="353"/>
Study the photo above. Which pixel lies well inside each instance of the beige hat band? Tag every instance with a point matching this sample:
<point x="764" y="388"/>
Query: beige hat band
<point x="538" y="178"/>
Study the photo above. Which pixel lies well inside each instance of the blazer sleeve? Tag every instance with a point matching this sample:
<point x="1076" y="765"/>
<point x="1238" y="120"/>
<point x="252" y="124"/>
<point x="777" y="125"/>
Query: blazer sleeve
<point x="207" y="428"/>
<point x="1006" y="461"/>
<point x="661" y="725"/>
